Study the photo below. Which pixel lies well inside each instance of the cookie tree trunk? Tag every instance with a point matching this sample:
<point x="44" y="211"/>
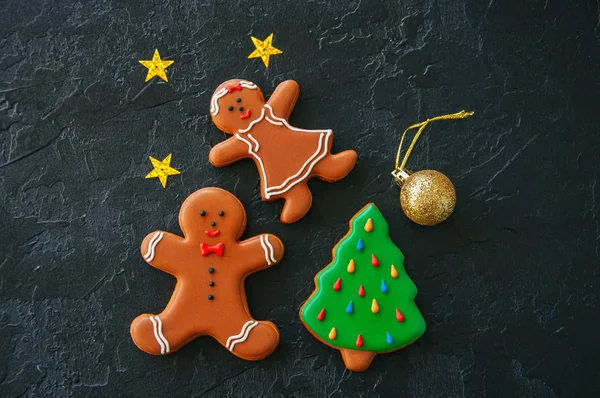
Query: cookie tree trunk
<point x="364" y="300"/>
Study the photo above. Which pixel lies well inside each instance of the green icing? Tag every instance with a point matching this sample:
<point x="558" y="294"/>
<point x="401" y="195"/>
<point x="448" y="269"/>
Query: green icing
<point x="401" y="292"/>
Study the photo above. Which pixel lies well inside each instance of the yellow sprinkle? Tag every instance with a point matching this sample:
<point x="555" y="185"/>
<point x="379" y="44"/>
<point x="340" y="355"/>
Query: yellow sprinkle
<point x="369" y="225"/>
<point x="332" y="334"/>
<point x="350" y="267"/>
<point x="394" y="272"/>
<point x="374" y="307"/>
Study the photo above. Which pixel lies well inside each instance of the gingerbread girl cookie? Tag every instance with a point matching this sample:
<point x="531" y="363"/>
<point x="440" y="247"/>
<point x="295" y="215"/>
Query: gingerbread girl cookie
<point x="286" y="157"/>
<point x="210" y="264"/>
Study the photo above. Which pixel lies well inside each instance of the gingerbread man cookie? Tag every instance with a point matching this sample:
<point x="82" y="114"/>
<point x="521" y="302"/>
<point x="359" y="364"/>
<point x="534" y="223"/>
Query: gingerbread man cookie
<point x="286" y="157"/>
<point x="210" y="264"/>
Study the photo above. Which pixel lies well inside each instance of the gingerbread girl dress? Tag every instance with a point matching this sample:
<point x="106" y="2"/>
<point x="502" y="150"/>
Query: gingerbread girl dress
<point x="286" y="156"/>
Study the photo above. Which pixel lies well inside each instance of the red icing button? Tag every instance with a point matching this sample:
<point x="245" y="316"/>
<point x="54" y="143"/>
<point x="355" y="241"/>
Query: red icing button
<point x="374" y="261"/>
<point x="399" y="315"/>
<point x="337" y="285"/>
<point x="321" y="315"/>
<point x="359" y="342"/>
<point x="361" y="291"/>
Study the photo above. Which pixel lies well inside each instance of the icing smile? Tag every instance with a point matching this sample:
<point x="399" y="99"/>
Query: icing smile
<point x="212" y="234"/>
<point x="246" y="115"/>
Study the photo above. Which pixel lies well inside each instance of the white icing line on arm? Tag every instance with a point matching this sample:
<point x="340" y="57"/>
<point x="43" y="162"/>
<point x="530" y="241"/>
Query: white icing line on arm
<point x="156" y="336"/>
<point x="255" y="155"/>
<point x="162" y="336"/>
<point x="230" y="339"/>
<point x="262" y="243"/>
<point x="149" y="256"/>
<point x="256" y="145"/>
<point x="270" y="249"/>
<point x="233" y="343"/>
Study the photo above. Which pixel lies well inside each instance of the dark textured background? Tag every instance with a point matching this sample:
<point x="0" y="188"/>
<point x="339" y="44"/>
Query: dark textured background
<point x="508" y="286"/>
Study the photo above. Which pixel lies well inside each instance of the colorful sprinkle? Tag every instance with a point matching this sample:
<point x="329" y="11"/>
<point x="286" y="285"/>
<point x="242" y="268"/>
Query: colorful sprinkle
<point x="321" y="315"/>
<point x="389" y="338"/>
<point x="337" y="285"/>
<point x="374" y="307"/>
<point x="361" y="291"/>
<point x="374" y="261"/>
<point x="399" y="315"/>
<point x="359" y="342"/>
<point x="360" y="245"/>
<point x="394" y="272"/>
<point x="332" y="334"/>
<point x="350" y="267"/>
<point x="350" y="308"/>
<point x="384" y="287"/>
<point x="369" y="225"/>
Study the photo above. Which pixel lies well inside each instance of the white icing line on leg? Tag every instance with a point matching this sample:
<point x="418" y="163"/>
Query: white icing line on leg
<point x="262" y="243"/>
<point x="271" y="250"/>
<point x="162" y="336"/>
<point x="149" y="256"/>
<point x="255" y="324"/>
<point x="156" y="336"/>
<point x="230" y="339"/>
<point x="256" y="145"/>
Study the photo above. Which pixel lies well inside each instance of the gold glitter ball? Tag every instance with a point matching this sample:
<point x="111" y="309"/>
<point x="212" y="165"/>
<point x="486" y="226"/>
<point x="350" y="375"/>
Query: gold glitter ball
<point x="427" y="197"/>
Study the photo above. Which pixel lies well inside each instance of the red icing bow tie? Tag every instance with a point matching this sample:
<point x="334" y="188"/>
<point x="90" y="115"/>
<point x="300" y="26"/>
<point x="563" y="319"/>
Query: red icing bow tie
<point x="234" y="87"/>
<point x="217" y="249"/>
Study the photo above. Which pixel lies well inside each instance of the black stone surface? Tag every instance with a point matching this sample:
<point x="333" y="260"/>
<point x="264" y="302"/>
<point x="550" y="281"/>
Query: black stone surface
<point x="508" y="286"/>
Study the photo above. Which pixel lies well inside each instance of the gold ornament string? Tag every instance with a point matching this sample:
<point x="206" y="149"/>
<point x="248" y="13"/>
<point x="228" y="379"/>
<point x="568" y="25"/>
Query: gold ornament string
<point x="399" y="171"/>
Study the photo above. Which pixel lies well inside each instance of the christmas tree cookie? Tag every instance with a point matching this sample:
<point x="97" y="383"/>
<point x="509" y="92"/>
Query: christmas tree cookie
<point x="363" y="303"/>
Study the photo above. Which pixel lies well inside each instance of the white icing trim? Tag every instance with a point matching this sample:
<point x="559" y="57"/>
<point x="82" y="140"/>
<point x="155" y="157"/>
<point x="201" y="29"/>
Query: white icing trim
<point x="262" y="243"/>
<point x="256" y="145"/>
<point x="274" y="122"/>
<point x="214" y="101"/>
<point x="317" y="153"/>
<point x="270" y="249"/>
<point x="262" y="115"/>
<point x="149" y="256"/>
<point x="232" y="338"/>
<point x="286" y="124"/>
<point x="233" y="343"/>
<point x="251" y="152"/>
<point x="158" y="334"/>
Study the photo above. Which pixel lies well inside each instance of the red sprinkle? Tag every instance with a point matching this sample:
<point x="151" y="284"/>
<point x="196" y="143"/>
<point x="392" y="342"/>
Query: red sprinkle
<point x="374" y="261"/>
<point x="337" y="285"/>
<point x="321" y="315"/>
<point x="399" y="315"/>
<point x="359" y="342"/>
<point x="361" y="291"/>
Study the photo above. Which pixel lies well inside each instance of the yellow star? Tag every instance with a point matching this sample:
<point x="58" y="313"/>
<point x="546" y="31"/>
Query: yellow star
<point x="162" y="169"/>
<point x="156" y="67"/>
<point x="264" y="49"/>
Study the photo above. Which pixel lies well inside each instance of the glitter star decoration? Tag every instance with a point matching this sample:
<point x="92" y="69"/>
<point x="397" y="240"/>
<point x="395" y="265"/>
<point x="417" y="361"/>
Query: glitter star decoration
<point x="264" y="49"/>
<point x="156" y="67"/>
<point x="162" y="169"/>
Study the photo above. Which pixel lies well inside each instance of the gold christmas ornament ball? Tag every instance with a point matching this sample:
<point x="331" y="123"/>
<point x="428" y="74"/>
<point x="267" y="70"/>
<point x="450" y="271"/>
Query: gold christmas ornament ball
<point x="427" y="197"/>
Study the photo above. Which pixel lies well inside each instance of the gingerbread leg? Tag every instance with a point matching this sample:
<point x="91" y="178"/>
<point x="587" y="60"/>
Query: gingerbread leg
<point x="162" y="334"/>
<point x="248" y="338"/>
<point x="297" y="203"/>
<point x="335" y="167"/>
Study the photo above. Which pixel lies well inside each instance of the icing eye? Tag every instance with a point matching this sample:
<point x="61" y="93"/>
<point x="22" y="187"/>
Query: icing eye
<point x="221" y="213"/>
<point x="241" y="108"/>
<point x="202" y="213"/>
<point x="230" y="108"/>
<point x="238" y="100"/>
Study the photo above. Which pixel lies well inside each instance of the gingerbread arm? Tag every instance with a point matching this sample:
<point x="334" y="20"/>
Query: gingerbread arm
<point x="228" y="152"/>
<point x="260" y="252"/>
<point x="284" y="98"/>
<point x="158" y="250"/>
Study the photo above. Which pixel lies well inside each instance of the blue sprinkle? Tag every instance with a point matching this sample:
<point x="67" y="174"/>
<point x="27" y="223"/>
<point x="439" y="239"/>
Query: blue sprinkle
<point x="389" y="339"/>
<point x="360" y="245"/>
<point x="350" y="308"/>
<point x="383" y="286"/>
